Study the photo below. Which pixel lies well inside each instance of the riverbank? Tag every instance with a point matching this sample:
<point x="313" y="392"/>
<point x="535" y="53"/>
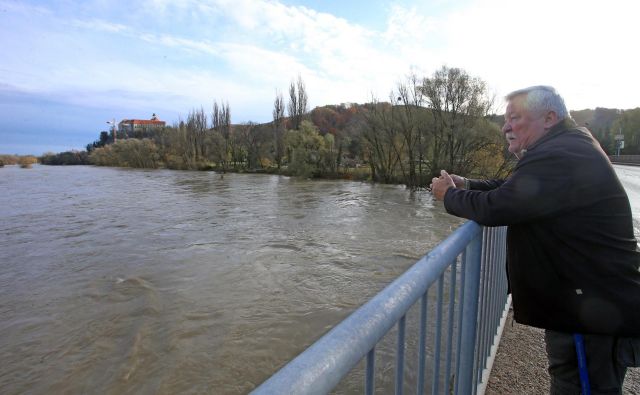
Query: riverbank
<point x="520" y="366"/>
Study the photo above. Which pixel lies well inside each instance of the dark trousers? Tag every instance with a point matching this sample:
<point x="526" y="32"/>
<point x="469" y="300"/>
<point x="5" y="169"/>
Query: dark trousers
<point x="604" y="363"/>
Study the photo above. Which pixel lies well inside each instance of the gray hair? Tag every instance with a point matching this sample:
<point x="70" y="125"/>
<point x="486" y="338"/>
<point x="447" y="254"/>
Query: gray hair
<point x="540" y="99"/>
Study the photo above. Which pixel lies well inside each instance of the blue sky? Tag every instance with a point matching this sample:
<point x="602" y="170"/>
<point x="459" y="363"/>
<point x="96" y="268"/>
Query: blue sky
<point x="67" y="67"/>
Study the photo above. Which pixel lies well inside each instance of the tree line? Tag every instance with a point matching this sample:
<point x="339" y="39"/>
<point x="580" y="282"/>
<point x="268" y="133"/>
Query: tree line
<point x="607" y="123"/>
<point x="426" y="124"/>
<point x="25" y="161"/>
<point x="441" y="121"/>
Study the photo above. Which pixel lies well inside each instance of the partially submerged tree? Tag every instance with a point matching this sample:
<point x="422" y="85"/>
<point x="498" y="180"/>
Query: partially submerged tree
<point x="221" y="123"/>
<point x="458" y="102"/>
<point x="278" y="129"/>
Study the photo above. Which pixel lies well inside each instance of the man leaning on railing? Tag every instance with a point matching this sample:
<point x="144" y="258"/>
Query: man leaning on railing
<point x="572" y="258"/>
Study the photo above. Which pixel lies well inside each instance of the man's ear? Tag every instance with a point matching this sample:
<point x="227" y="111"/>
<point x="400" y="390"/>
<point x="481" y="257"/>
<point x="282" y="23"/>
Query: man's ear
<point x="550" y="119"/>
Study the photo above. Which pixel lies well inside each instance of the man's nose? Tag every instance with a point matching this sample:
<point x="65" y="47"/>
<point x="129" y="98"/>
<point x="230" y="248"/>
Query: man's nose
<point x="506" y="127"/>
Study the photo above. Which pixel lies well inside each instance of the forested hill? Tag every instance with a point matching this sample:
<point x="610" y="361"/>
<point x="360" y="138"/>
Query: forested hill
<point x="605" y="123"/>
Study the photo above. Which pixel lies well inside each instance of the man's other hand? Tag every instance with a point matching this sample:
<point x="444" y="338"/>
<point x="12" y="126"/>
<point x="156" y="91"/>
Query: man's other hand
<point x="439" y="185"/>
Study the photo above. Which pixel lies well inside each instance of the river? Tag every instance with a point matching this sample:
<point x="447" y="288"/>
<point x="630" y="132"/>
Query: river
<point x="123" y="281"/>
<point x="133" y="281"/>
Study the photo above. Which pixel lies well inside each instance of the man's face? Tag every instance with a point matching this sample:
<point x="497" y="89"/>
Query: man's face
<point x="521" y="128"/>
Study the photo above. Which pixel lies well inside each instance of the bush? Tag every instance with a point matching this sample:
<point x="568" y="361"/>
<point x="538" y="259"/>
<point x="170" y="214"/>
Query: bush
<point x="127" y="153"/>
<point x="9" y="159"/>
<point x="65" y="158"/>
<point x="26" y="161"/>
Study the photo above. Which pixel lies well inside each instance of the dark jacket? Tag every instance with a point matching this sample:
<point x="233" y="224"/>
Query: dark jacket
<point x="572" y="258"/>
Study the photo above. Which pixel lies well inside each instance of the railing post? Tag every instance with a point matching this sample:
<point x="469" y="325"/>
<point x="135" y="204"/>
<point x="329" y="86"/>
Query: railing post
<point x="469" y="315"/>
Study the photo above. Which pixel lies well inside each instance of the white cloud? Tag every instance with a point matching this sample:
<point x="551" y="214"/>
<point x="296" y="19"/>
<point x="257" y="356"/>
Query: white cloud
<point x="241" y="51"/>
<point x="569" y="44"/>
<point x="296" y="40"/>
<point x="23" y="9"/>
<point x="99" y="25"/>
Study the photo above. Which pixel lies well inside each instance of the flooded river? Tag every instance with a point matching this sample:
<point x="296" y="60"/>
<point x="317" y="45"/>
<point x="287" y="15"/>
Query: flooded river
<point x="118" y="281"/>
<point x="162" y="282"/>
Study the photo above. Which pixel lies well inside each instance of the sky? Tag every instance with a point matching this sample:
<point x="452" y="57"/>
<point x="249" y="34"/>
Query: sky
<point x="67" y="67"/>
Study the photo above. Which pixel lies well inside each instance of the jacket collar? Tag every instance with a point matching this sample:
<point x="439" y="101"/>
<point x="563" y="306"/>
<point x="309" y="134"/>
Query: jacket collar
<point x="555" y="130"/>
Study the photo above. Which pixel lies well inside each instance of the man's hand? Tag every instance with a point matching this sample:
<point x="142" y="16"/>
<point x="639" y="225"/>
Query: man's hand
<point x="459" y="181"/>
<point x="439" y="185"/>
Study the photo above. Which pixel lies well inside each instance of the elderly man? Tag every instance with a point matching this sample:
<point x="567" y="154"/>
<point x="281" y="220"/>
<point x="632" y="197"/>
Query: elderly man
<point x="572" y="258"/>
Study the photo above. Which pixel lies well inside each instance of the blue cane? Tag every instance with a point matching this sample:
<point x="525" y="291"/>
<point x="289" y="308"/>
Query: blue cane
<point x="582" y="364"/>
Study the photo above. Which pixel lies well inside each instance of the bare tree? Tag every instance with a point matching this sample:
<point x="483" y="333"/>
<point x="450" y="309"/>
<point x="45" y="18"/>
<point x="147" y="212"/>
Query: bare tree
<point x="221" y="118"/>
<point x="458" y="102"/>
<point x="407" y="113"/>
<point x="221" y="123"/>
<point x="382" y="144"/>
<point x="298" y="99"/>
<point x="197" y="129"/>
<point x="253" y="140"/>
<point x="302" y="98"/>
<point x="292" y="107"/>
<point x="186" y="141"/>
<point x="278" y="129"/>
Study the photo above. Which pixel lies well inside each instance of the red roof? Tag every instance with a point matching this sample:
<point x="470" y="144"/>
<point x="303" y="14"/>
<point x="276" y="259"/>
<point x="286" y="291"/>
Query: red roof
<point x="142" y="122"/>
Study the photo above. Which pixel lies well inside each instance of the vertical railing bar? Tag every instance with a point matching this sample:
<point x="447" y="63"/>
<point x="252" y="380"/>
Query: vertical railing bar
<point x="369" y="384"/>
<point x="400" y="355"/>
<point x="495" y="297"/>
<point x="463" y="272"/>
<point x="500" y="278"/>
<point x="482" y="299"/>
<point x="452" y="299"/>
<point x="436" y="355"/>
<point x="501" y="266"/>
<point x="503" y="260"/>
<point x="492" y="293"/>
<point x="503" y="263"/>
<point x="484" y="312"/>
<point x="481" y="307"/>
<point x="470" y="319"/>
<point x="422" y="343"/>
<point x="487" y="320"/>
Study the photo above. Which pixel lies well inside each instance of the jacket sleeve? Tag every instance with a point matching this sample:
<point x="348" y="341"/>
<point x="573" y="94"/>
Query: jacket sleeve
<point x="537" y="188"/>
<point x="484" y="185"/>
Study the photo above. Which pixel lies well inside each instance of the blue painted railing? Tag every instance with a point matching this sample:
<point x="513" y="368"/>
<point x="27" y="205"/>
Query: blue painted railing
<point x="470" y="264"/>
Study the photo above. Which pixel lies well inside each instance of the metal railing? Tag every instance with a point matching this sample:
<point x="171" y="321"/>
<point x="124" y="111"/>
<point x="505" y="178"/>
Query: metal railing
<point x="470" y="264"/>
<point x="625" y="159"/>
